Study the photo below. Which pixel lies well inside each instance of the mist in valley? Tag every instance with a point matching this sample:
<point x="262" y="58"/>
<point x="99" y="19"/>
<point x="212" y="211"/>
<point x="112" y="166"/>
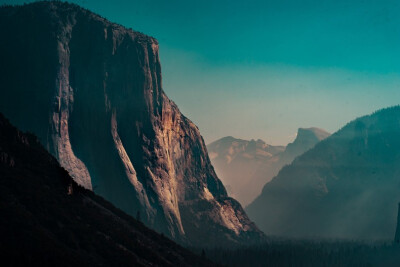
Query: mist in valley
<point x="200" y="133"/>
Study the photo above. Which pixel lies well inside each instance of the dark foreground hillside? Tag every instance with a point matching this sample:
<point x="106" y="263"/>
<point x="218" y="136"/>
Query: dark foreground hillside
<point x="310" y="253"/>
<point x="46" y="219"/>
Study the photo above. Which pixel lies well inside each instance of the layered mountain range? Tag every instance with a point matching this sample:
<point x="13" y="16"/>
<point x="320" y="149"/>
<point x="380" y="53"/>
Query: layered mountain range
<point x="347" y="186"/>
<point x="49" y="220"/>
<point x="91" y="90"/>
<point x="246" y="166"/>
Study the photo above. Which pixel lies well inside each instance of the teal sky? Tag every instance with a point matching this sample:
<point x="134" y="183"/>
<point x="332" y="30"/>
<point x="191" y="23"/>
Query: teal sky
<point x="262" y="69"/>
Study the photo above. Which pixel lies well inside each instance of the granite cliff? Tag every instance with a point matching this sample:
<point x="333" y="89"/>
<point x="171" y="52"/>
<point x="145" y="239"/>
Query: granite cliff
<point x="49" y="220"/>
<point x="91" y="91"/>
<point x="306" y="138"/>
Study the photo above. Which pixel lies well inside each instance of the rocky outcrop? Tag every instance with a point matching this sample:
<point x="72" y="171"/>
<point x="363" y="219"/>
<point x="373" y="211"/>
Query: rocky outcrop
<point x="347" y="186"/>
<point x="91" y="91"/>
<point x="48" y="220"/>
<point x="306" y="139"/>
<point x="246" y="166"/>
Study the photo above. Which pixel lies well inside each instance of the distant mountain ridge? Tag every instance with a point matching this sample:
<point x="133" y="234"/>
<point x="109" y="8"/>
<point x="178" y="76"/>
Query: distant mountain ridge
<point x="246" y="166"/>
<point x="347" y="186"/>
<point x="91" y="90"/>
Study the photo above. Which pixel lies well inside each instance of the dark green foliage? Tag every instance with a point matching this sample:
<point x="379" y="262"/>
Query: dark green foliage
<point x="347" y="186"/>
<point x="310" y="253"/>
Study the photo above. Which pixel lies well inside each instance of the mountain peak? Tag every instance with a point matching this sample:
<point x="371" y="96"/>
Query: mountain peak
<point x="306" y="138"/>
<point x="342" y="187"/>
<point x="312" y="132"/>
<point x="246" y="166"/>
<point x="102" y="112"/>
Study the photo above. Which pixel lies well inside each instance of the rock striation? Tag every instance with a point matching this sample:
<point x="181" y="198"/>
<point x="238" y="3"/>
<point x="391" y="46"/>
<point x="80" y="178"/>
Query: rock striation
<point x="91" y="90"/>
<point x="48" y="220"/>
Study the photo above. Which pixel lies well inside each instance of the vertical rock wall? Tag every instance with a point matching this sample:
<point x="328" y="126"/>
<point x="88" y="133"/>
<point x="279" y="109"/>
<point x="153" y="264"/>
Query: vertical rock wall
<point x="91" y="91"/>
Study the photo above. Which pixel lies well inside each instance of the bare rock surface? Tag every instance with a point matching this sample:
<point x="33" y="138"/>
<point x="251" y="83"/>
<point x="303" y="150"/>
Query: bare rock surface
<point x="91" y="90"/>
<point x="47" y="219"/>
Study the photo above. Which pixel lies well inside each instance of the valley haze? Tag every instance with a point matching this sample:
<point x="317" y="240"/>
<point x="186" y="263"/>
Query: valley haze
<point x="99" y="166"/>
<point x="246" y="166"/>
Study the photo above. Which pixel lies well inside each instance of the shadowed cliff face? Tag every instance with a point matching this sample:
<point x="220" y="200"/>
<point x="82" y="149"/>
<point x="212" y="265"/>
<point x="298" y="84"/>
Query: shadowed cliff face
<point x="48" y="220"/>
<point x="347" y="186"/>
<point x="91" y="90"/>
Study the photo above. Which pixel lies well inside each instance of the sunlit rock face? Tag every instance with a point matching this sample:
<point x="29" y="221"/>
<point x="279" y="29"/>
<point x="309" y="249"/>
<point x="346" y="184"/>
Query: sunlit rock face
<point x="246" y="166"/>
<point x="347" y="186"/>
<point x="91" y="91"/>
<point x="48" y="220"/>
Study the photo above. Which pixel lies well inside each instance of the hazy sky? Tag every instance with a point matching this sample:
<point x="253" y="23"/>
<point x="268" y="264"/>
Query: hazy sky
<point x="262" y="69"/>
